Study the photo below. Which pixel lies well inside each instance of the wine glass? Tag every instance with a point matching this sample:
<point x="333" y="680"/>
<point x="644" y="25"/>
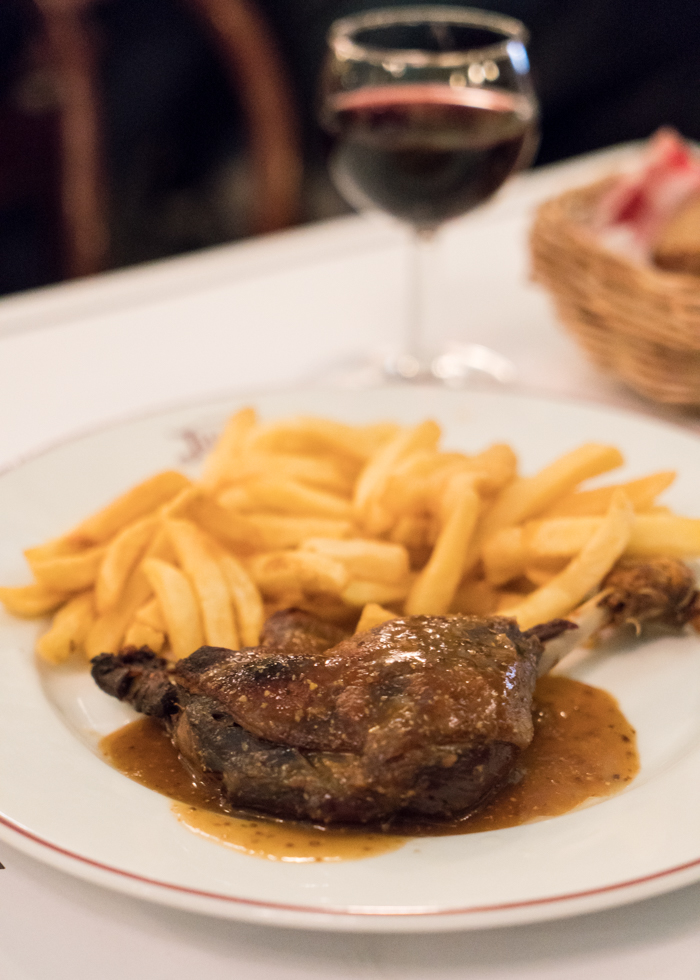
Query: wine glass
<point x="430" y="109"/>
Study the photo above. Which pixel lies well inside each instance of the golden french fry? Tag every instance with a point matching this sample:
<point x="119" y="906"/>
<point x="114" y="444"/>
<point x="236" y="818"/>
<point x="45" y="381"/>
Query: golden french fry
<point x="161" y="546"/>
<point x="594" y="503"/>
<point x="282" y="531"/>
<point x="558" y="537"/>
<point x="236" y="498"/>
<point x="122" y="555"/>
<point x="652" y="535"/>
<point x="451" y="494"/>
<point x="30" y="601"/>
<point x="497" y="467"/>
<point x="527" y="497"/>
<point x="437" y="485"/>
<point x="234" y="529"/>
<point x="246" y="533"/>
<point x="360" y="593"/>
<point x="664" y="534"/>
<point x="245" y="596"/>
<point x="489" y="472"/>
<point x="221" y="463"/>
<point x="424" y="463"/>
<point x="70" y="572"/>
<point x="378" y="561"/>
<point x="179" y="505"/>
<point x="179" y="605"/>
<point x="317" y="471"/>
<point x="106" y="634"/>
<point x="374" y="478"/>
<point x="434" y="589"/>
<point x="140" y="634"/>
<point x="55" y="548"/>
<point x="207" y="579"/>
<point x="290" y="497"/>
<point x="375" y="435"/>
<point x="130" y="506"/>
<point x="410" y="481"/>
<point x="373" y="615"/>
<point x="280" y="572"/>
<point x="68" y="630"/>
<point x="417" y="479"/>
<point x="504" y="555"/>
<point x="583" y="573"/>
<point x="150" y="614"/>
<point x="323" y="472"/>
<point x="412" y="531"/>
<point x="311" y="435"/>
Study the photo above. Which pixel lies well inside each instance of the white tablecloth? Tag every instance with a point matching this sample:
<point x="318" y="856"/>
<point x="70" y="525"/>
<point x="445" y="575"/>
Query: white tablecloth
<point x="254" y="315"/>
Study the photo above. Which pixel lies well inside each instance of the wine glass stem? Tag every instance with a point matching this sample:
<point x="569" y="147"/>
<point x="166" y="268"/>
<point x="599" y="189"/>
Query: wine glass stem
<point x="417" y="339"/>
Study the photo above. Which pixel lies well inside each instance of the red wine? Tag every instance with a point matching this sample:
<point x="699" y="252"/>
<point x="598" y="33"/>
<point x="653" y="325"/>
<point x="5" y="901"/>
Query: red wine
<point x="426" y="153"/>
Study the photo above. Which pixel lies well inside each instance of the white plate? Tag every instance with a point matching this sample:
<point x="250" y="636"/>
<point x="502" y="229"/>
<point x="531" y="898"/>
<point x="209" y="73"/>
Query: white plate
<point x="61" y="803"/>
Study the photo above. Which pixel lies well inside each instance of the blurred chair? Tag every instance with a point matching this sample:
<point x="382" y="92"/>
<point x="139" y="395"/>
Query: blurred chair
<point x="65" y="54"/>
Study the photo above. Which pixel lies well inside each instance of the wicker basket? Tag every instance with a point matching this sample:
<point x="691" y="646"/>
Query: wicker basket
<point x="639" y="323"/>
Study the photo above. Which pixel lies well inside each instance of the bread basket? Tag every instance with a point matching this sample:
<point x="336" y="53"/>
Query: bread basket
<point x="635" y="321"/>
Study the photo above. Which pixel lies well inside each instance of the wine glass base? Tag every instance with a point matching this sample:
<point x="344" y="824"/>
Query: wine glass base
<point x="457" y="366"/>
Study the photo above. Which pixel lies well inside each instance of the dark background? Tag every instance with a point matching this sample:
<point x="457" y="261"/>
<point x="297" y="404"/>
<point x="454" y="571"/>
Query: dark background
<point x="605" y="71"/>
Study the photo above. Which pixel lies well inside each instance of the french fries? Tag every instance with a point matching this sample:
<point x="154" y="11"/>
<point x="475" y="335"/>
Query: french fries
<point x="358" y="524"/>
<point x="373" y="615"/>
<point x="142" y="635"/>
<point x="279" y="573"/>
<point x="541" y="544"/>
<point x="641" y="494"/>
<point x="120" y="558"/>
<point x="245" y="596"/>
<point x="29" y="601"/>
<point x="178" y="603"/>
<point x="106" y="635"/>
<point x="434" y="589"/>
<point x="368" y="499"/>
<point x="287" y="496"/>
<point x="68" y="573"/>
<point x="526" y="497"/>
<point x="70" y="627"/>
<point x="378" y="561"/>
<point x="201" y="567"/>
<point x="151" y="614"/>
<point x="565" y="591"/>
<point x="132" y="505"/>
<point x="227" y="455"/>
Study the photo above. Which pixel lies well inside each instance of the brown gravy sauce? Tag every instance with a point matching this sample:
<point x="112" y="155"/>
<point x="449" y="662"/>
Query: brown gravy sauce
<point x="584" y="749"/>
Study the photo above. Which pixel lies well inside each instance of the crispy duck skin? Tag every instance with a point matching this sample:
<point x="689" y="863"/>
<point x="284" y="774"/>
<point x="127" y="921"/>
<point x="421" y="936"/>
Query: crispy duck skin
<point x="409" y="682"/>
<point x="421" y="716"/>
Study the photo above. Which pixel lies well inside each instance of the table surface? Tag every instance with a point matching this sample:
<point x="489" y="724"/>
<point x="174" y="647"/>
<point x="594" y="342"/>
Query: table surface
<point x="265" y="313"/>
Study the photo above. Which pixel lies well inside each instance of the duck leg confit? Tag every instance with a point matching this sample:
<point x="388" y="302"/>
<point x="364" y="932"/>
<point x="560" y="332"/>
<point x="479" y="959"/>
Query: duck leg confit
<point x="421" y="717"/>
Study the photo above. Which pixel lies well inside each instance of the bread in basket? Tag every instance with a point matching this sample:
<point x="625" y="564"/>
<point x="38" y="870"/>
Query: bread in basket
<point x="635" y="320"/>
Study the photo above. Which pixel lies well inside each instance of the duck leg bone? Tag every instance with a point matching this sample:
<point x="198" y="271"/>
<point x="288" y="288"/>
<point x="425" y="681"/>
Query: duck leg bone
<point x="660" y="590"/>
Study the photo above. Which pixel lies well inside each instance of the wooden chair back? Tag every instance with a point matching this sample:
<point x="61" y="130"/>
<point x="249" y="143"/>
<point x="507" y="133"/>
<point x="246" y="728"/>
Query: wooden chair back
<point x="254" y="67"/>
